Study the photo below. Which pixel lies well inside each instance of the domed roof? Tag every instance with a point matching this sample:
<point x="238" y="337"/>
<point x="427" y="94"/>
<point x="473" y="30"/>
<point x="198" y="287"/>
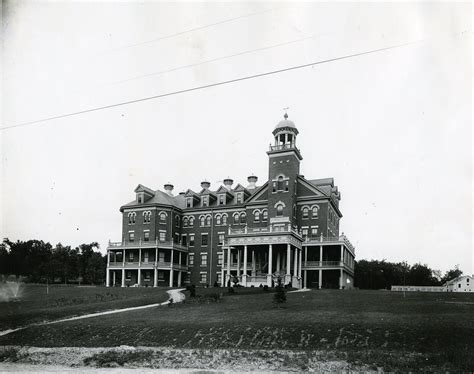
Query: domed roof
<point x="286" y="123"/>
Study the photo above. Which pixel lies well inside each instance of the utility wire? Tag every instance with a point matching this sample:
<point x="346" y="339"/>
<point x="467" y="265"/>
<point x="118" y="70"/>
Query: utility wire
<point x="210" y="85"/>
<point x="218" y="59"/>
<point x="195" y="29"/>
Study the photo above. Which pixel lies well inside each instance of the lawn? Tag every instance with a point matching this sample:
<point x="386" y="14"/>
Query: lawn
<point x="421" y="331"/>
<point x="37" y="304"/>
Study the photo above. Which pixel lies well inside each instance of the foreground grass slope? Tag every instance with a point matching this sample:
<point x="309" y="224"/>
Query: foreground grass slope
<point x="375" y="328"/>
<point x="35" y="304"/>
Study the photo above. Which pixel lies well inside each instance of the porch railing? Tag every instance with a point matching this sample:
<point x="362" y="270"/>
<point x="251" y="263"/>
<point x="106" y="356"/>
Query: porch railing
<point x="148" y="244"/>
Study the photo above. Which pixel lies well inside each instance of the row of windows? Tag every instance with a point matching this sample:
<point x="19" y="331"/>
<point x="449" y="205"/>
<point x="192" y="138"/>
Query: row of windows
<point x="220" y="259"/>
<point x="221" y="200"/>
<point x="306" y="230"/>
<point x="314" y="212"/>
<point x="179" y="239"/>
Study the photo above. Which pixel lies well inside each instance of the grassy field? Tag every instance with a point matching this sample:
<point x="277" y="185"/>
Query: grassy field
<point x="36" y="305"/>
<point x="380" y="329"/>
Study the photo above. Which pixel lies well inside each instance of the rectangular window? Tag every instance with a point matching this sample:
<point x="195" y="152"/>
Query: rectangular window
<point x="191" y="240"/>
<point x="161" y="275"/>
<point x="162" y="236"/>
<point x="183" y="240"/>
<point x="239" y="198"/>
<point x="130" y="256"/>
<point x="128" y="276"/>
<point x="203" y="239"/>
<point x="221" y="199"/>
<point x="131" y="236"/>
<point x="161" y="256"/>
<point x="189" y="202"/>
<point x="191" y="259"/>
<point x="203" y="259"/>
<point x="304" y="233"/>
<point x="176" y="238"/>
<point x="219" y="278"/>
<point x="221" y="239"/>
<point x="205" y="200"/>
<point x="145" y="257"/>
<point x="220" y="257"/>
<point x="314" y="231"/>
<point x="146" y="236"/>
<point x="203" y="278"/>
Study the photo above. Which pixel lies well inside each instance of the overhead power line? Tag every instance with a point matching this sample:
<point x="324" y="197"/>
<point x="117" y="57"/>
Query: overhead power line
<point x="209" y="85"/>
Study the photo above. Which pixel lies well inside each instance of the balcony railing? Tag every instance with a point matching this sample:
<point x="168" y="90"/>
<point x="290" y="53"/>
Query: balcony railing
<point x="258" y="230"/>
<point x="136" y="264"/>
<point x="281" y="147"/>
<point x="148" y="244"/>
<point x="325" y="239"/>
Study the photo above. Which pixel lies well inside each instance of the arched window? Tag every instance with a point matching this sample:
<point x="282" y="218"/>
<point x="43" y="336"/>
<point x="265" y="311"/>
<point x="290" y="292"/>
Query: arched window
<point x="131" y="218"/>
<point x="191" y="221"/>
<point x="185" y="221"/>
<point x="280" y="183"/>
<point x="256" y="216"/>
<point x="224" y="219"/>
<point x="243" y="218"/>
<point x="218" y="220"/>
<point x="236" y="218"/>
<point x="305" y="212"/>
<point x="279" y="210"/>
<point x="162" y="216"/>
<point x="208" y="220"/>
<point x="314" y="212"/>
<point x="203" y="220"/>
<point x="265" y="215"/>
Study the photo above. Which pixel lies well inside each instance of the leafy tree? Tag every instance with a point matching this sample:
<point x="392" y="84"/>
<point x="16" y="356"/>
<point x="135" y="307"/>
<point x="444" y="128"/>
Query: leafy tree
<point x="452" y="274"/>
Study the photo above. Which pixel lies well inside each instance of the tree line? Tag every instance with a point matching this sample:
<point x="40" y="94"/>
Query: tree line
<point x="375" y="274"/>
<point x="40" y="262"/>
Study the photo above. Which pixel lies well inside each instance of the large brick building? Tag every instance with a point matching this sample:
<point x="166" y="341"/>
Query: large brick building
<point x="288" y="227"/>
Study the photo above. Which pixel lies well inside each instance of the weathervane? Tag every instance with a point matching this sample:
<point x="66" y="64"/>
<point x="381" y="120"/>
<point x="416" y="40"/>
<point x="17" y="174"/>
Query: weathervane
<point x="286" y="110"/>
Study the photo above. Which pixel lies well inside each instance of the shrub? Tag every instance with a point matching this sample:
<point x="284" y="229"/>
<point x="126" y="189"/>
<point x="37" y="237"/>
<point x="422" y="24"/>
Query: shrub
<point x="280" y="294"/>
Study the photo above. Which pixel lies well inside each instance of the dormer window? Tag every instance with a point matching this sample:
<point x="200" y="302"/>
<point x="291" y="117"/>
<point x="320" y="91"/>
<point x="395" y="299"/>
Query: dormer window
<point x="222" y="199"/>
<point x="240" y="197"/>
<point x="140" y="198"/>
<point x="189" y="202"/>
<point x="205" y="200"/>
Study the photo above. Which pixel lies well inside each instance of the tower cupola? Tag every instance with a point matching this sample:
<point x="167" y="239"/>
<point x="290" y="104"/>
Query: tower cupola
<point x="285" y="133"/>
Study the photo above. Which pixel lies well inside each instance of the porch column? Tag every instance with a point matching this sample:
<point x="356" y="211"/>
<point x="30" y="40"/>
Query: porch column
<point x="107" y="277"/>
<point x="123" y="257"/>
<point x="342" y="253"/>
<point x="288" y="264"/>
<point x="155" y="277"/>
<point x="156" y="256"/>
<point x="238" y="263"/>
<point x="139" y="276"/>
<point x="179" y="259"/>
<point x="113" y="278"/>
<point x="139" y="257"/>
<point x="171" y="268"/>
<point x="305" y="265"/>
<point x="123" y="277"/>
<point x="320" y="280"/>
<point x="228" y="264"/>
<point x="222" y="269"/>
<point x="179" y="278"/>
<point x="321" y="255"/>
<point x="341" y="279"/>
<point x="269" y="275"/>
<point x="295" y="262"/>
<point x="300" y="258"/>
<point x="253" y="264"/>
<point x="305" y="279"/>
<point x="244" y="277"/>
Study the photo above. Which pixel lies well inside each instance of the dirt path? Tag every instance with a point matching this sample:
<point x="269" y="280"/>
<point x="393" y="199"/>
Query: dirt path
<point x="176" y="295"/>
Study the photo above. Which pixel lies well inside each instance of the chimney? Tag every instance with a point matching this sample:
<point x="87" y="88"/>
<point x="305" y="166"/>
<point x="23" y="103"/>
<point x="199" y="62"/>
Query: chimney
<point x="228" y="183"/>
<point x="169" y="188"/>
<point x="252" y="180"/>
<point x="205" y="184"/>
<point x="182" y="193"/>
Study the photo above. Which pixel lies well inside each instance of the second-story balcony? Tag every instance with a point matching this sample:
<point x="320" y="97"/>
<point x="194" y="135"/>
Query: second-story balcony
<point x="287" y="228"/>
<point x="341" y="239"/>
<point x="169" y="244"/>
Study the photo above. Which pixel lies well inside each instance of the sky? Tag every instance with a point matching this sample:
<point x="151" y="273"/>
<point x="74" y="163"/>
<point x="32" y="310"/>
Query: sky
<point x="393" y="127"/>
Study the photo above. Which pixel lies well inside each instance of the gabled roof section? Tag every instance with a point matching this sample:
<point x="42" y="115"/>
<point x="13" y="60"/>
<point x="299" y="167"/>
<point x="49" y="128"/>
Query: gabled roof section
<point x="240" y="188"/>
<point x="223" y="189"/>
<point x="146" y="190"/>
<point x="260" y="194"/>
<point x="309" y="189"/>
<point x="206" y="191"/>
<point x="159" y="198"/>
<point x="190" y="193"/>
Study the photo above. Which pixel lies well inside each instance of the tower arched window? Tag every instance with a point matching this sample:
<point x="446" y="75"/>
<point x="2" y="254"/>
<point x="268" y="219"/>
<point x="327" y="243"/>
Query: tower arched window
<point x="224" y="219"/>
<point x="279" y="210"/>
<point x="203" y="220"/>
<point x="208" y="220"/>
<point x="243" y="218"/>
<point x="218" y="220"/>
<point x="162" y="216"/>
<point x="265" y="215"/>
<point x="280" y="183"/>
<point x="314" y="212"/>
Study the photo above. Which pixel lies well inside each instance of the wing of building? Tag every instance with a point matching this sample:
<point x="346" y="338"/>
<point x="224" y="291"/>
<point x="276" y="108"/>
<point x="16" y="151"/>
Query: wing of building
<point x="286" y="228"/>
